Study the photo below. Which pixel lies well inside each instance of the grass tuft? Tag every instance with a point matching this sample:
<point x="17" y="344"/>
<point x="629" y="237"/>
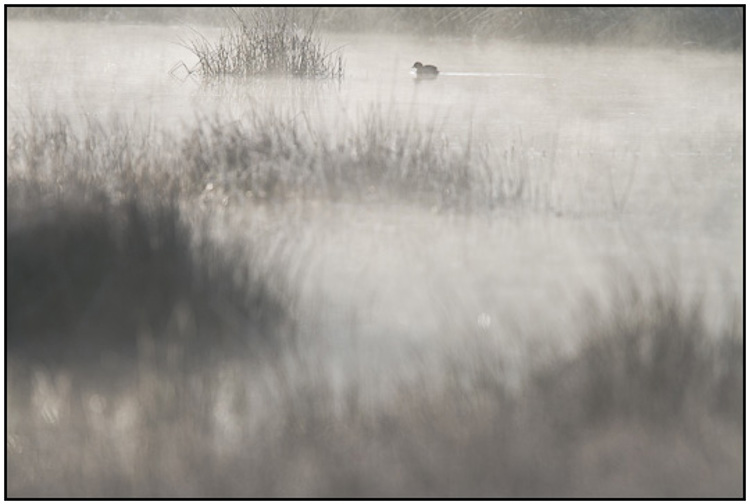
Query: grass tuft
<point x="268" y="42"/>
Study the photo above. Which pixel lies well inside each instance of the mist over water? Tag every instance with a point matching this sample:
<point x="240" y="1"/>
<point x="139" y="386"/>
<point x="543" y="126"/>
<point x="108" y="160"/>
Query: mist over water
<point x="637" y="155"/>
<point x="632" y="159"/>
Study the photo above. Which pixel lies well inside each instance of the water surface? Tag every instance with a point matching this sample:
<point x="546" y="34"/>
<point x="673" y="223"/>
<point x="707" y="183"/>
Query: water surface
<point x="634" y="154"/>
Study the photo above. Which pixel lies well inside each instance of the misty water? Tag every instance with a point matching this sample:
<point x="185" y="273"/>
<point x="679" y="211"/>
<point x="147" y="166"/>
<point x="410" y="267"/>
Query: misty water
<point x="635" y="159"/>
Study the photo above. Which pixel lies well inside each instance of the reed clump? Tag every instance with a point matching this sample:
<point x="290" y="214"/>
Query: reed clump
<point x="266" y="42"/>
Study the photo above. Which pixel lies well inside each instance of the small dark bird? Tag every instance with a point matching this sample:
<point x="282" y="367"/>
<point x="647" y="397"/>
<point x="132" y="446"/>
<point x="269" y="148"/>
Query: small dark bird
<point x="425" y="71"/>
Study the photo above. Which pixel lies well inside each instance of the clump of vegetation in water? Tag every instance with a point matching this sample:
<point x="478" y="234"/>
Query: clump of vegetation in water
<point x="269" y="42"/>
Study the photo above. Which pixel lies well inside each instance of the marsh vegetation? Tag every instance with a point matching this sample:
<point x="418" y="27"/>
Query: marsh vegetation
<point x="266" y="42"/>
<point x="489" y="285"/>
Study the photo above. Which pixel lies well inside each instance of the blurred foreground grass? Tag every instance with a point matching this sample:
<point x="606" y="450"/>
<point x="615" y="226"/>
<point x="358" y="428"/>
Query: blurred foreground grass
<point x="146" y="360"/>
<point x="652" y="406"/>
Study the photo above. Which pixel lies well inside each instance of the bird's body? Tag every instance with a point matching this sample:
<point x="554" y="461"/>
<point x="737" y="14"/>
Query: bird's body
<point x="425" y="71"/>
